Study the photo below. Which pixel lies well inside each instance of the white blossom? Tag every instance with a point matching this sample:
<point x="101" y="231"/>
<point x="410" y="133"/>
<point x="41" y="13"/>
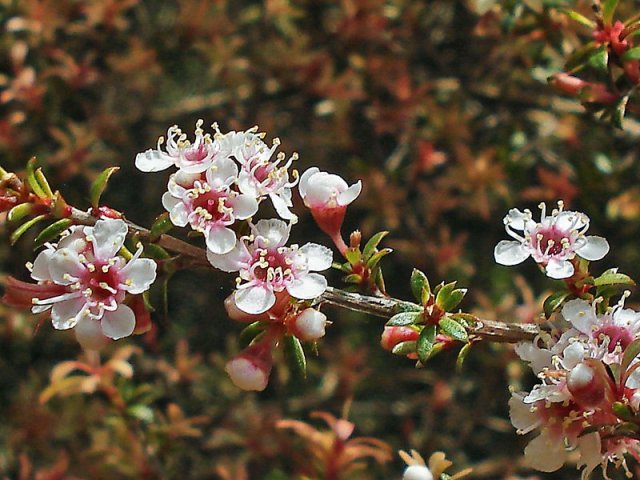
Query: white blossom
<point x="553" y="242"/>
<point x="96" y="279"/>
<point x="326" y="190"/>
<point x="265" y="266"/>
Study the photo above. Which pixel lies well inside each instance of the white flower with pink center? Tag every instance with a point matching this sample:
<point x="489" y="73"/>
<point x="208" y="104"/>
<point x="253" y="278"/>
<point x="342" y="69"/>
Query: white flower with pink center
<point x="261" y="176"/>
<point x="208" y="202"/>
<point x="553" y="242"/>
<point x="190" y="157"/>
<point x="265" y="266"/>
<point x="95" y="278"/>
<point x="322" y="190"/>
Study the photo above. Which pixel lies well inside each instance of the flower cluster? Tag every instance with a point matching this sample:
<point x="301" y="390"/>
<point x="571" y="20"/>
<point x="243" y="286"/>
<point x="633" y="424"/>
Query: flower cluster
<point x="553" y="242"/>
<point x="576" y="401"/>
<point x="84" y="281"/>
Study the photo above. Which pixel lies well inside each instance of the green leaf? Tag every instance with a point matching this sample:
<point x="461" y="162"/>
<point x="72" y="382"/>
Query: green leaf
<point x="18" y="212"/>
<point x="630" y="353"/>
<point x="250" y="332"/>
<point x="162" y="224"/>
<point x="32" y="180"/>
<point x="404" y="348"/>
<point x="52" y="231"/>
<point x="449" y="297"/>
<point x="425" y="343"/>
<point x="420" y="286"/>
<point x="376" y="257"/>
<point x="613" y="278"/>
<point x="622" y="411"/>
<point x="553" y="302"/>
<point x="352" y="255"/>
<point x="99" y="185"/>
<point x="462" y="355"/>
<point x="373" y="243"/>
<point x="600" y="59"/>
<point x="465" y="319"/>
<point x="578" y="17"/>
<point x="608" y="10"/>
<point x="453" y="329"/>
<point x="141" y="412"/>
<point x="353" y="278"/>
<point x="156" y="252"/>
<point x="408" y="307"/>
<point x="619" y="111"/>
<point x="294" y="355"/>
<point x="343" y="267"/>
<point x="631" y="54"/>
<point x="44" y="184"/>
<point x="18" y="232"/>
<point x="404" y="319"/>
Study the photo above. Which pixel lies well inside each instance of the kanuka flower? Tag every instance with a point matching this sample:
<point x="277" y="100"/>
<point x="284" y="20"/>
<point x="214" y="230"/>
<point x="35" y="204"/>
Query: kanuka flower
<point x="190" y="157"/>
<point x="260" y="176"/>
<point x="91" y="279"/>
<point x="266" y="266"/>
<point x="209" y="203"/>
<point x="327" y="196"/>
<point x="552" y="242"/>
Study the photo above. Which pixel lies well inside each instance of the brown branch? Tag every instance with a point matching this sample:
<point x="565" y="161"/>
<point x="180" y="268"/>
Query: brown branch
<point x="384" y="307"/>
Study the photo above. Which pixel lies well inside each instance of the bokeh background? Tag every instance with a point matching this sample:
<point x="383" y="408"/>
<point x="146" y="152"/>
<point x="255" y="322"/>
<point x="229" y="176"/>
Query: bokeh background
<point x="441" y="107"/>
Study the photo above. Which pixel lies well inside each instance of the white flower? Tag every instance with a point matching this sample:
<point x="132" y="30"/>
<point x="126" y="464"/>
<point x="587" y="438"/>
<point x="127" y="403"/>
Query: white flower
<point x="553" y="242"/>
<point x="267" y="266"/>
<point x="95" y="277"/>
<point x="209" y="204"/>
<point x="309" y="325"/>
<point x="189" y="157"/>
<point x="320" y="190"/>
<point x="417" y="472"/>
<point x="260" y="176"/>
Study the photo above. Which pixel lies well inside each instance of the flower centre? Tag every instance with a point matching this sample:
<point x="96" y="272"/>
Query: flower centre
<point x="101" y="281"/>
<point x="550" y="241"/>
<point x="617" y="336"/>
<point x="273" y="266"/>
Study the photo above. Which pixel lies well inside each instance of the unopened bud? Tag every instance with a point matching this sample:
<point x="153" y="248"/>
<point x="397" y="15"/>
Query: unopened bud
<point x="355" y="239"/>
<point x="309" y="325"/>
<point x="417" y="472"/>
<point x="586" y="387"/>
<point x="392" y="336"/>
<point x="251" y="368"/>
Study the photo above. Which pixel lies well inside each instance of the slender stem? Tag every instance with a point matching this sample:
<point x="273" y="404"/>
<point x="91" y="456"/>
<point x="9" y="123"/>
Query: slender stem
<point x="384" y="307"/>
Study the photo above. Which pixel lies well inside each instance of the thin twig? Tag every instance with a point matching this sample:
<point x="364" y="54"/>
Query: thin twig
<point x="384" y="307"/>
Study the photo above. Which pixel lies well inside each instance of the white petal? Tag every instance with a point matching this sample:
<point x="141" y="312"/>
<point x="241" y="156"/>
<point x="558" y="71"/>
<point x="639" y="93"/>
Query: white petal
<point x="76" y="240"/>
<point x="417" y="472"/>
<point x="319" y="257"/>
<point x="580" y="314"/>
<point x="308" y="286"/>
<point x="516" y="219"/>
<point x="573" y="355"/>
<point x="255" y="299"/>
<point x="244" y="206"/>
<point x="119" y="323"/>
<point x="246" y="375"/>
<point x="522" y="418"/>
<point x="223" y="172"/>
<point x="545" y="454"/>
<point x="590" y="453"/>
<point x="178" y="212"/>
<point x="350" y="194"/>
<point x="304" y="180"/>
<point x="89" y="334"/>
<point x="221" y="240"/>
<point x="594" y="249"/>
<point x="138" y="275"/>
<point x="109" y="235"/>
<point x="63" y="263"/>
<point x="232" y="261"/>
<point x="153" y="161"/>
<point x="282" y="209"/>
<point x="510" y="252"/>
<point x="66" y="314"/>
<point x="247" y="185"/>
<point x="274" y="233"/>
<point x="568" y="220"/>
<point x="559" y="269"/>
<point x="40" y="270"/>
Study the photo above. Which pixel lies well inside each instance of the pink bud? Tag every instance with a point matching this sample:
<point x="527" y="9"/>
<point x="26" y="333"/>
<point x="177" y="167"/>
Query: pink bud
<point x="586" y="387"/>
<point x="392" y="336"/>
<point x="309" y="325"/>
<point x="567" y="83"/>
<point x="251" y="368"/>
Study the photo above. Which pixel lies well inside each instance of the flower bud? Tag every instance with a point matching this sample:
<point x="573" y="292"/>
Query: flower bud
<point x="587" y="388"/>
<point x="392" y="336"/>
<point x="251" y="368"/>
<point x="417" y="472"/>
<point x="309" y="325"/>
